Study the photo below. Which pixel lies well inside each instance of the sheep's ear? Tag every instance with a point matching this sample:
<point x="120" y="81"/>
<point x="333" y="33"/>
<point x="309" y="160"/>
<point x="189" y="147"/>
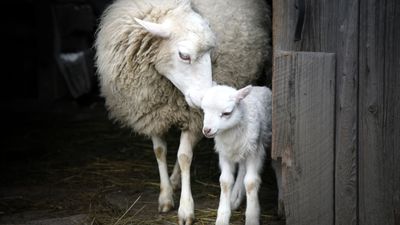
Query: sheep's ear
<point x="161" y="30"/>
<point x="242" y="93"/>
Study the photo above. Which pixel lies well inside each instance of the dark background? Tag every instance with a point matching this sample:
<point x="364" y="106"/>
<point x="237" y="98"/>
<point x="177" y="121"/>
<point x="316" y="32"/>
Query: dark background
<point x="35" y="35"/>
<point x="61" y="159"/>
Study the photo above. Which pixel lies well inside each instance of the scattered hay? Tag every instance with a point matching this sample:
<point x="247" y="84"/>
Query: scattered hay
<point x="85" y="162"/>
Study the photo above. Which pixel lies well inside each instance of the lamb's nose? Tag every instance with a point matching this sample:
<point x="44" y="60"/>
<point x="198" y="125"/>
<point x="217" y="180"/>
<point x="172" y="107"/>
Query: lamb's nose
<point x="206" y="130"/>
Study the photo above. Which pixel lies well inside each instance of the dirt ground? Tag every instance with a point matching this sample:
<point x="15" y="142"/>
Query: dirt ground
<point x="80" y="168"/>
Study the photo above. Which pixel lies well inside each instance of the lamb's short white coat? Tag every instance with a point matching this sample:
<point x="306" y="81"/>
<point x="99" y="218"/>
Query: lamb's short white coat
<point x="240" y="121"/>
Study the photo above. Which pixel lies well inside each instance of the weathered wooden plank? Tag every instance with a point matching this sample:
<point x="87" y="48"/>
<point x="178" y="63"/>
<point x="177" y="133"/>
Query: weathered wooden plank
<point x="319" y="30"/>
<point x="379" y="115"/>
<point x="283" y="24"/>
<point x="282" y="115"/>
<point x="303" y="134"/>
<point x="331" y="26"/>
<point x="391" y="106"/>
<point x="346" y="165"/>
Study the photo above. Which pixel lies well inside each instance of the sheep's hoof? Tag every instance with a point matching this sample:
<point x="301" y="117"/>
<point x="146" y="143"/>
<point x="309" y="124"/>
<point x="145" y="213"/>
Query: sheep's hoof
<point x="165" y="202"/>
<point x="166" y="207"/>
<point x="186" y="210"/>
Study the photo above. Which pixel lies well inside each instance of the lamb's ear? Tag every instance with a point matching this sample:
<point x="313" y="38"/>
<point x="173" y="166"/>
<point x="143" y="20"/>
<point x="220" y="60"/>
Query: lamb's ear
<point x="194" y="98"/>
<point x="161" y="30"/>
<point x="183" y="2"/>
<point x="242" y="93"/>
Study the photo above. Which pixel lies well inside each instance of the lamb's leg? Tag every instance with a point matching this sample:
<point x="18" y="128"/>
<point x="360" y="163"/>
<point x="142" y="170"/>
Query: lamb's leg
<point x="252" y="183"/>
<point x="185" y="153"/>
<point x="277" y="165"/>
<point x="176" y="176"/>
<point x="238" y="190"/>
<point x="165" y="199"/>
<point x="226" y="181"/>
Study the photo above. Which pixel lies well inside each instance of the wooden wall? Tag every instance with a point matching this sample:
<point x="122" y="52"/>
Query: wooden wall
<point x="379" y="113"/>
<point x="363" y="37"/>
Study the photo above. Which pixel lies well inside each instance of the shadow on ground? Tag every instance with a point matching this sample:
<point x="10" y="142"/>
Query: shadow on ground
<point x="80" y="168"/>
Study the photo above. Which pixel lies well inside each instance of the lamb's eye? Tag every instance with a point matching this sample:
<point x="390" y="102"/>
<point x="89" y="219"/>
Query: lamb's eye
<point x="225" y="114"/>
<point x="184" y="57"/>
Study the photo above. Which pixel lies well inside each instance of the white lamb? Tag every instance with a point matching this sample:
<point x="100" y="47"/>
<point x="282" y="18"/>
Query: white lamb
<point x="240" y="122"/>
<point x="152" y="53"/>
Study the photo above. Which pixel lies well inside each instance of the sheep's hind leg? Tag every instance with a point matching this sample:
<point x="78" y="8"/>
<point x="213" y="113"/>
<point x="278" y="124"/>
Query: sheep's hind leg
<point x="185" y="154"/>
<point x="176" y="176"/>
<point x="165" y="199"/>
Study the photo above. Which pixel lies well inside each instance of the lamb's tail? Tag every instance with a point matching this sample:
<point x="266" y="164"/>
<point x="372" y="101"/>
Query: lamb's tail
<point x="238" y="191"/>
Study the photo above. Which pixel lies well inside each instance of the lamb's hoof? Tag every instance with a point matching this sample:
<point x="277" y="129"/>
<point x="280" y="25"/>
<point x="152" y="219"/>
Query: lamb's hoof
<point x="252" y="221"/>
<point x="222" y="221"/>
<point x="186" y="221"/>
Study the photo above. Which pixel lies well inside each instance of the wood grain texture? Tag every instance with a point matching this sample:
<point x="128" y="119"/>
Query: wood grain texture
<point x="331" y="26"/>
<point x="303" y="110"/>
<point x="346" y="167"/>
<point x="379" y="116"/>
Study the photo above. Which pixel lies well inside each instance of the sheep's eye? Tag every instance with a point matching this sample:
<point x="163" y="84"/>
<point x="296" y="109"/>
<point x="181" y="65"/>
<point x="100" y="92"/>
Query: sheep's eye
<point x="184" y="57"/>
<point x="225" y="114"/>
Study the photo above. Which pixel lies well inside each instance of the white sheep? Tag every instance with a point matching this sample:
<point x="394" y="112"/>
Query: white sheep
<point x="151" y="53"/>
<point x="240" y="123"/>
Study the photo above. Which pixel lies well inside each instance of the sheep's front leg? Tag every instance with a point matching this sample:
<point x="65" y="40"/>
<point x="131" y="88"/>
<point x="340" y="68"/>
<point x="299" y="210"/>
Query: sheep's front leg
<point x="165" y="199"/>
<point x="252" y="183"/>
<point x="226" y="181"/>
<point x="185" y="154"/>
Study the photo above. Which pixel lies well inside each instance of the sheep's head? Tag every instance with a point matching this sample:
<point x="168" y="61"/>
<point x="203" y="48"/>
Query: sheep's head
<point x="221" y="106"/>
<point x="184" y="53"/>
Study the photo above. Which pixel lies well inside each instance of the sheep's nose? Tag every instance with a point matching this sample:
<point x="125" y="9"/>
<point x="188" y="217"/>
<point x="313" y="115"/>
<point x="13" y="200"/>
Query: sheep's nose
<point x="206" y="130"/>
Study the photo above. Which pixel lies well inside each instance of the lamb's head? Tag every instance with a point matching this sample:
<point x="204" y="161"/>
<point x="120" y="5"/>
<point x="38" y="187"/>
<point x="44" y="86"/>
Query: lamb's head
<point x="184" y="52"/>
<point x="222" y="108"/>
